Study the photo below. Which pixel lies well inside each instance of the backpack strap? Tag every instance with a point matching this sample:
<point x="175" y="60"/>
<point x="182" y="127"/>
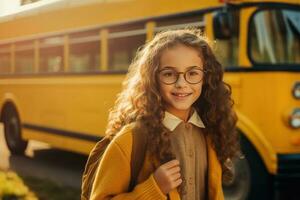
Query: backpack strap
<point x="91" y="165"/>
<point x="139" y="146"/>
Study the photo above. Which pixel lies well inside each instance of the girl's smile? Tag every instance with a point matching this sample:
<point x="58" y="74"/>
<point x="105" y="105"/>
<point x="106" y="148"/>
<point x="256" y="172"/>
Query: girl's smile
<point x="180" y="96"/>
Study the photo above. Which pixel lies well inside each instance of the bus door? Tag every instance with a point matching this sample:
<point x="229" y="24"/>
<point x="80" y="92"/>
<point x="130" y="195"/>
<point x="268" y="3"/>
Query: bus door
<point x="262" y="64"/>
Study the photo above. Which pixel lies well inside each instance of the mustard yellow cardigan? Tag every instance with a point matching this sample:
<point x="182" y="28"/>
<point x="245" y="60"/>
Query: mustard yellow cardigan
<point x="113" y="174"/>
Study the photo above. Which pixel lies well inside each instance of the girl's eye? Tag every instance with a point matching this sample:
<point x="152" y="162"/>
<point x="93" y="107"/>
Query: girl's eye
<point x="193" y="73"/>
<point x="168" y="74"/>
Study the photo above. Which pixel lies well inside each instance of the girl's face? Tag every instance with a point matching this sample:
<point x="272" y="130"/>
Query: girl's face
<point x="180" y="91"/>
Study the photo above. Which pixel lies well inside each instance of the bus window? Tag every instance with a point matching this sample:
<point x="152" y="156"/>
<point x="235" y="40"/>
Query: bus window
<point x="275" y="37"/>
<point x="51" y="54"/>
<point x="227" y="48"/>
<point x="24" y="57"/>
<point x="123" y="44"/>
<point x="193" y="21"/>
<point x="85" y="51"/>
<point x="4" y="59"/>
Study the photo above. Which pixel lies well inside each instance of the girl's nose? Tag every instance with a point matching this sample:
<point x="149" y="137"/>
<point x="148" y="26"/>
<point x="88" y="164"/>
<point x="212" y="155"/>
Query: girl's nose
<point x="181" y="82"/>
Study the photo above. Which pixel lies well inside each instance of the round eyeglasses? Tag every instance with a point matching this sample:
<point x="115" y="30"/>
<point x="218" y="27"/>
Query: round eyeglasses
<point x="171" y="76"/>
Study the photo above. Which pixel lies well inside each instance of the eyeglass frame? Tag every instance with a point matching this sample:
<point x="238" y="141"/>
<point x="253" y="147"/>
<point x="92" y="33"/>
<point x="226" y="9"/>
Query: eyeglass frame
<point x="184" y="75"/>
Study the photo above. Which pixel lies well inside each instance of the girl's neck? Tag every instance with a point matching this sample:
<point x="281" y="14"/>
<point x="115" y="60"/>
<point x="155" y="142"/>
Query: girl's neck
<point x="181" y="114"/>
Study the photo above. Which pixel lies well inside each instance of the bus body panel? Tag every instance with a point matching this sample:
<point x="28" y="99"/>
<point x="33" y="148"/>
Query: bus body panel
<point x="76" y="104"/>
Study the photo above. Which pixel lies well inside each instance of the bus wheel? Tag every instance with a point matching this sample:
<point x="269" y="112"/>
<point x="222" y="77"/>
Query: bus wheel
<point x="238" y="187"/>
<point x="12" y="130"/>
<point x="251" y="181"/>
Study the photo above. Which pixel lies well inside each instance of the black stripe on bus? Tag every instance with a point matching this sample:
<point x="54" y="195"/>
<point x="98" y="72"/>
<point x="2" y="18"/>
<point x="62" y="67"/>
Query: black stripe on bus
<point x="263" y="5"/>
<point x="55" y="131"/>
<point x="265" y="68"/>
<point x="288" y="173"/>
<point x="63" y="74"/>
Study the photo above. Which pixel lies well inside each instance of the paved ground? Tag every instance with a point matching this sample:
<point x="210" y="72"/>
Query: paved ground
<point x="41" y="161"/>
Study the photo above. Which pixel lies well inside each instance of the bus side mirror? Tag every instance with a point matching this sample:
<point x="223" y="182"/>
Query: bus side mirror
<point x="222" y="25"/>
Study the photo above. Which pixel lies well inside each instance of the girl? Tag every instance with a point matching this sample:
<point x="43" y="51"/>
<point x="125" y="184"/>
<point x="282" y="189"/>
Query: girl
<point x="174" y="92"/>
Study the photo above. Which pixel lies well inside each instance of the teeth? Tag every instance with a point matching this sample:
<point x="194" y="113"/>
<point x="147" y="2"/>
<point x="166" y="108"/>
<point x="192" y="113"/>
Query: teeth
<point x="181" y="95"/>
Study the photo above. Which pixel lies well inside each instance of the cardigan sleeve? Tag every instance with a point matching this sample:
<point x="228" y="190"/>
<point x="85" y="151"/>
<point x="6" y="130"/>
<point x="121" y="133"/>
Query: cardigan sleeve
<point x="113" y="177"/>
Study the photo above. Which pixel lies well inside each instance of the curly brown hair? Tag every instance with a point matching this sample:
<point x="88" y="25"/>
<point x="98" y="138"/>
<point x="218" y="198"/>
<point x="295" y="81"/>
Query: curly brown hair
<point x="140" y="100"/>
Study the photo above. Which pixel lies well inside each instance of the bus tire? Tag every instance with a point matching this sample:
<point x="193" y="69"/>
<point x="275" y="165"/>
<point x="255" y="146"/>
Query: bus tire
<point x="251" y="180"/>
<point x="12" y="130"/>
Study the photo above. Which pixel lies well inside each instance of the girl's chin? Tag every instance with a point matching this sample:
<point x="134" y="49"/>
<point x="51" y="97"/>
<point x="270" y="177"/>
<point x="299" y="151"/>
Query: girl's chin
<point x="181" y="108"/>
<point x="178" y="106"/>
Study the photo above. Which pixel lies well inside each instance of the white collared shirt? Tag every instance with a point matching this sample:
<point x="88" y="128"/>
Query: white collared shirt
<point x="171" y="121"/>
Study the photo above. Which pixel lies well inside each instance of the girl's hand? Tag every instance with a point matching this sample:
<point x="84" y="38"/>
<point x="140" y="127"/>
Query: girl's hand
<point x="167" y="176"/>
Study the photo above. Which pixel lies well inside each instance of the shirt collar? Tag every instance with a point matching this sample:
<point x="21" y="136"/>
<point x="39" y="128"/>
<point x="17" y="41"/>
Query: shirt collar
<point x="171" y="121"/>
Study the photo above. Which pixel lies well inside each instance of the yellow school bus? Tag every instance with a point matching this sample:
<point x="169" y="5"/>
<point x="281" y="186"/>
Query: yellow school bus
<point x="62" y="64"/>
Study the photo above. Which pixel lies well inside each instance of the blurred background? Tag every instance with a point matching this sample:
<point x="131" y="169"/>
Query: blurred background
<point x="62" y="63"/>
